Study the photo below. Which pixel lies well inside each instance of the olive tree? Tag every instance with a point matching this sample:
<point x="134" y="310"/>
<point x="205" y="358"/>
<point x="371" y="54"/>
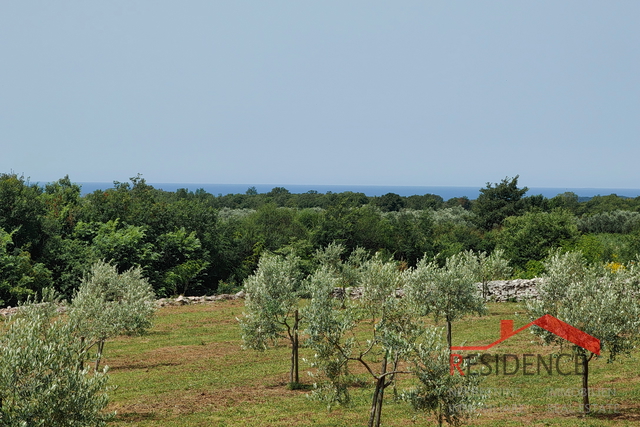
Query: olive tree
<point x="448" y="292"/>
<point x="345" y="269"/>
<point x="375" y="331"/>
<point x="452" y="398"/>
<point x="108" y="304"/>
<point x="491" y="267"/>
<point x="41" y="383"/>
<point x="599" y="301"/>
<point x="271" y="306"/>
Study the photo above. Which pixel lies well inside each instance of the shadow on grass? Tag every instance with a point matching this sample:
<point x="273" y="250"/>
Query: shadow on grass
<point x="299" y="386"/>
<point x="617" y="416"/>
<point x="142" y="365"/>
<point x="131" y="417"/>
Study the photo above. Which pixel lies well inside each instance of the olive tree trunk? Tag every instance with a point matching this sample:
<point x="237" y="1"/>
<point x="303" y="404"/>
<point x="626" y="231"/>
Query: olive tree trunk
<point x="294" y="377"/>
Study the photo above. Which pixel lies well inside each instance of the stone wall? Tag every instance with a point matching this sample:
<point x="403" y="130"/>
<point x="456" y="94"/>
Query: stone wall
<point x="497" y="290"/>
<point x="511" y="290"/>
<point x="162" y="302"/>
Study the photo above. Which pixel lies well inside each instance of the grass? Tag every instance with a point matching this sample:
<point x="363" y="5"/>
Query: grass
<point x="190" y="370"/>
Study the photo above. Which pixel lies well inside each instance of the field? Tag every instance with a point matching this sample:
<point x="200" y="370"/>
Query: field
<point x="190" y="370"/>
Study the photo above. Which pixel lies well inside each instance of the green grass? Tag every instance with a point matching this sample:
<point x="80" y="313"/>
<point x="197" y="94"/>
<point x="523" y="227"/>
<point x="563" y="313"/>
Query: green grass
<point x="190" y="370"/>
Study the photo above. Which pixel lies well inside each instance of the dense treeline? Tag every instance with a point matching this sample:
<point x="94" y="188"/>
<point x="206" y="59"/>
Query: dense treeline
<point x="196" y="242"/>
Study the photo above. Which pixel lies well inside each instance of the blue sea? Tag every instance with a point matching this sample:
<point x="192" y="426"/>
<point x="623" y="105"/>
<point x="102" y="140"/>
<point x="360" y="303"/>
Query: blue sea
<point x="370" y="190"/>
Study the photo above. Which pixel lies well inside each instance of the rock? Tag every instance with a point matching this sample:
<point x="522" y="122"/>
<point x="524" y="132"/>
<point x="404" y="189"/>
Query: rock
<point x="181" y="300"/>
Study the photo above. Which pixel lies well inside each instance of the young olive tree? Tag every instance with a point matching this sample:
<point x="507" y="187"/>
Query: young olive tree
<point x="601" y="302"/>
<point x="375" y="331"/>
<point x="271" y="304"/>
<point x="40" y="380"/>
<point x="447" y="292"/>
<point x="108" y="304"/>
<point x="491" y="267"/>
<point x="452" y="398"/>
<point x="345" y="271"/>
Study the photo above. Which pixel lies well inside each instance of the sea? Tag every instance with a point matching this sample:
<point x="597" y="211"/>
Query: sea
<point x="446" y="192"/>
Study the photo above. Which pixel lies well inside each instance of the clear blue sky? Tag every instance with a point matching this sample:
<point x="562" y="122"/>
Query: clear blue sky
<point x="322" y="92"/>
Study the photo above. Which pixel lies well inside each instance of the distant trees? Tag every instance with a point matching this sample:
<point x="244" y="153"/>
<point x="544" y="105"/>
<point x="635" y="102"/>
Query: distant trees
<point x="20" y="276"/>
<point x="390" y="202"/>
<point x="193" y="241"/>
<point x="426" y="201"/>
<point x="617" y="221"/>
<point x="530" y="236"/>
<point x="568" y="201"/>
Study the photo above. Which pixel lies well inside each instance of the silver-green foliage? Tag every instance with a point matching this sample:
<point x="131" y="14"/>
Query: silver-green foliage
<point x="271" y="300"/>
<point x="491" y="267"/>
<point x="41" y="383"/>
<point x="448" y="292"/>
<point x="456" y="215"/>
<point x="600" y="301"/>
<point x="271" y="306"/>
<point x="617" y="221"/>
<point x="327" y="324"/>
<point x="374" y="331"/>
<point x="385" y="335"/>
<point x="227" y="214"/>
<point x="452" y="398"/>
<point x="108" y="304"/>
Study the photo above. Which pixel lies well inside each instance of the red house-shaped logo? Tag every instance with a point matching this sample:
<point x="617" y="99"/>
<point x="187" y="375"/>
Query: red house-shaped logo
<point x="549" y="323"/>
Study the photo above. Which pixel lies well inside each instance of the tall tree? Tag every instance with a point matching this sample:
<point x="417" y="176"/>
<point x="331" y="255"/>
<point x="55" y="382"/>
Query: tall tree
<point x="20" y="276"/>
<point x="497" y="202"/>
<point x="22" y="212"/>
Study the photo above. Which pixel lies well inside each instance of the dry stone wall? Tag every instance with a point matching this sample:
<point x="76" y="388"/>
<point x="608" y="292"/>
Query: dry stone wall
<point x="511" y="290"/>
<point x="498" y="291"/>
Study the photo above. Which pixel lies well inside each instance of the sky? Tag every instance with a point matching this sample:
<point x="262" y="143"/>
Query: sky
<point x="416" y="93"/>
